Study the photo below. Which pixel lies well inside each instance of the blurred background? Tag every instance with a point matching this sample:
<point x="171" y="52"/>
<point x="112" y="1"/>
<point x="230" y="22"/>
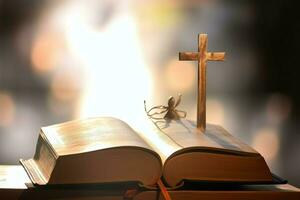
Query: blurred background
<point x="64" y="60"/>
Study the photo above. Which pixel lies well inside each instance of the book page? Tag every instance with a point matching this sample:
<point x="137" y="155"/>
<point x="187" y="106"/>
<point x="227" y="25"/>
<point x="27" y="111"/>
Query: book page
<point x="186" y="135"/>
<point x="154" y="137"/>
<point x="168" y="137"/>
<point x="92" y="134"/>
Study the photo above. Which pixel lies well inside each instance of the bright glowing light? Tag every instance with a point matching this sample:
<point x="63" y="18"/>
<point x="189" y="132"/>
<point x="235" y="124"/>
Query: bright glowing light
<point x="266" y="142"/>
<point x="180" y="75"/>
<point x="118" y="80"/>
<point x="7" y="109"/>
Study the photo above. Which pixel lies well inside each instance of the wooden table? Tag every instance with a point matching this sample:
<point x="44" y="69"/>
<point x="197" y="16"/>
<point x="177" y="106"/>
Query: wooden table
<point x="15" y="184"/>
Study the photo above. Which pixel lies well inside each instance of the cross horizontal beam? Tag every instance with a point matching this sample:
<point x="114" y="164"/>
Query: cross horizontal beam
<point x="211" y="56"/>
<point x="188" y="55"/>
<point x="215" y="56"/>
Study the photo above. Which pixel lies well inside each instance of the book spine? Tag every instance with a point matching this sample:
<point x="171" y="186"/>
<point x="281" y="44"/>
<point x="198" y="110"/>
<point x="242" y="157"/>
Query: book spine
<point x="45" y="156"/>
<point x="41" y="166"/>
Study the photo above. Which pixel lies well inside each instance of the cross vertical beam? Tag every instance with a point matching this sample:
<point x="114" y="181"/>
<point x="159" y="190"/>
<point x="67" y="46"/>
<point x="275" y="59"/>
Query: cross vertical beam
<point x="201" y="105"/>
<point x="202" y="56"/>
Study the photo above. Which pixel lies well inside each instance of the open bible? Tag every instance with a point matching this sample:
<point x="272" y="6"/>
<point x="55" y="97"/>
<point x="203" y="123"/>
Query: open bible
<point x="107" y="150"/>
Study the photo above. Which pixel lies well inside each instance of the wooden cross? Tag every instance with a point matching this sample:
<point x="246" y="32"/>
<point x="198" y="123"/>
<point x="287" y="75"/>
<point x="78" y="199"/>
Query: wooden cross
<point x="202" y="56"/>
